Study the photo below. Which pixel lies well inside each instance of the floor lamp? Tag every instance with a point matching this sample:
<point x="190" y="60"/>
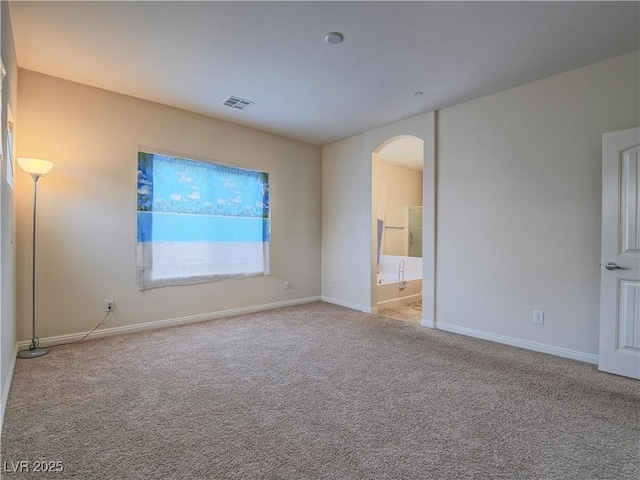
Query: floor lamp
<point x="36" y="168"/>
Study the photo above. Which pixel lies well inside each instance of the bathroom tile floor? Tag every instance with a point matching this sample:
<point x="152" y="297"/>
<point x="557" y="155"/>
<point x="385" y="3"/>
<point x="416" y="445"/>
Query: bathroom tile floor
<point x="411" y="312"/>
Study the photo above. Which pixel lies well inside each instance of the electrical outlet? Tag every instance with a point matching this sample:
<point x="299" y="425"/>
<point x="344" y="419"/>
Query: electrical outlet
<point x="109" y="304"/>
<point x="538" y="317"/>
<point x="286" y="285"/>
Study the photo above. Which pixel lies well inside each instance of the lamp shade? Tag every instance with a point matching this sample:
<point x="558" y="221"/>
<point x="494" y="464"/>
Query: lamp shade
<point x="35" y="166"/>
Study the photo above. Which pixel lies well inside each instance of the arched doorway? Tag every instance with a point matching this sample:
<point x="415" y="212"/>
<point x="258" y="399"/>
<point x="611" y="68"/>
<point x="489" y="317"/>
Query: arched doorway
<point x="397" y="221"/>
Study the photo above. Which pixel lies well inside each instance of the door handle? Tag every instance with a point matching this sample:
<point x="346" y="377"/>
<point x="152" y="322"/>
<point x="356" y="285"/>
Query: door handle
<point x="612" y="266"/>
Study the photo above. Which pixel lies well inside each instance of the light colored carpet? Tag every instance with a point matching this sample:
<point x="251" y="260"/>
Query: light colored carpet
<point x="318" y="391"/>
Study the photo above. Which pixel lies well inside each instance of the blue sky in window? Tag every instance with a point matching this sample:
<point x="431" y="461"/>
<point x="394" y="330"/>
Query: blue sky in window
<point x="176" y="185"/>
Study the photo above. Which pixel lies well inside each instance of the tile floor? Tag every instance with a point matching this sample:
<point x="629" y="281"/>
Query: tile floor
<point x="410" y="312"/>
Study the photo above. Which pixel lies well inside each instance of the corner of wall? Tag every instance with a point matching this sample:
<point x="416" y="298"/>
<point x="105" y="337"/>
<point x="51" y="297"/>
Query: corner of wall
<point x="6" y="386"/>
<point x="8" y="319"/>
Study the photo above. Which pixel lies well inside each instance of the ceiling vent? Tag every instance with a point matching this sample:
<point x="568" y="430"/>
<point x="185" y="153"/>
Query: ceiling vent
<point x="237" y="103"/>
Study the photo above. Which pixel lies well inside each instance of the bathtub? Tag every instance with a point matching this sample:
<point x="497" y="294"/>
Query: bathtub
<point x="386" y="278"/>
<point x="388" y="292"/>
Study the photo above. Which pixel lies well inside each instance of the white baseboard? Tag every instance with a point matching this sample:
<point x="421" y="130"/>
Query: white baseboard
<point x="342" y="303"/>
<point x="7" y="386"/>
<point x="107" y="332"/>
<point x="517" y="342"/>
<point x="428" y="323"/>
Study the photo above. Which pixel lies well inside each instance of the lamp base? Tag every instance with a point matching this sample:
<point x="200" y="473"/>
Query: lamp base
<point x="32" y="352"/>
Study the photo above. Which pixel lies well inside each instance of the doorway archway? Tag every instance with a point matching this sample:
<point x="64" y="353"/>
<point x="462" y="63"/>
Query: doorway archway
<point x="397" y="224"/>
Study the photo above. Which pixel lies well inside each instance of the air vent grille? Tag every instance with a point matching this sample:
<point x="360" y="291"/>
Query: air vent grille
<point x="237" y="103"/>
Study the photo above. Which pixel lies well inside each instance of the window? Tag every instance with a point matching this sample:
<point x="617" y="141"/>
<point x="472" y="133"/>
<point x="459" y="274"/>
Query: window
<point x="199" y="221"/>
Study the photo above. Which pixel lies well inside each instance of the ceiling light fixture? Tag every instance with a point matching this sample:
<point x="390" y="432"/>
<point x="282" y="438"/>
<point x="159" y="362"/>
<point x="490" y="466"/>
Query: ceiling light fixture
<point x="334" y="38"/>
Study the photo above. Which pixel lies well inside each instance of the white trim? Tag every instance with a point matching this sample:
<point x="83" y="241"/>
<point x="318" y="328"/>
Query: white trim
<point x="107" y="332"/>
<point x="428" y="323"/>
<point x="7" y="386"/>
<point x="517" y="342"/>
<point x="342" y="303"/>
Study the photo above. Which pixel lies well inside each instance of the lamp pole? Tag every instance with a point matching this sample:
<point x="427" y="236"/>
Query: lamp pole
<point x="35" y="168"/>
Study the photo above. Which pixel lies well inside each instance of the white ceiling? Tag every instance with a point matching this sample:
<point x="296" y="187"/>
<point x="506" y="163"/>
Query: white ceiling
<point x="407" y="152"/>
<point x="192" y="55"/>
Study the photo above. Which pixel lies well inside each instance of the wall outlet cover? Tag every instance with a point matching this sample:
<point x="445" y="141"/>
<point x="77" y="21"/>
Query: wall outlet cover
<point x="538" y="317"/>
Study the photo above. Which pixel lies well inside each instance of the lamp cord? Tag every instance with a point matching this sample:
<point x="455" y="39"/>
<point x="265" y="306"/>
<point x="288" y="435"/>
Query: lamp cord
<point x="78" y="341"/>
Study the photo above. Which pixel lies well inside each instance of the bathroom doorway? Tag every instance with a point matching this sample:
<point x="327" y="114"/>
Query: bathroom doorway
<point x="397" y="212"/>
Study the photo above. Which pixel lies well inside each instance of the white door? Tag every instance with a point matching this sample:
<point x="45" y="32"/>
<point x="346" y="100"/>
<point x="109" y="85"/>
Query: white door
<point x="620" y="269"/>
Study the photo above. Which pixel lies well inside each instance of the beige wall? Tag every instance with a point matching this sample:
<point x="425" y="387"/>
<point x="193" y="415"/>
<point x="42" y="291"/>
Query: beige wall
<point x="87" y="207"/>
<point x="346" y="211"/>
<point x="518" y="208"/>
<point x="394" y="189"/>
<point x="8" y="330"/>
<point x="348" y="219"/>
<point x="519" y="184"/>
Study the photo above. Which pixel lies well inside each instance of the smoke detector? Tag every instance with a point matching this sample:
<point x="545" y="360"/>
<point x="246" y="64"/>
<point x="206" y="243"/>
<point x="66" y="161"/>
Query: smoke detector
<point x="236" y="103"/>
